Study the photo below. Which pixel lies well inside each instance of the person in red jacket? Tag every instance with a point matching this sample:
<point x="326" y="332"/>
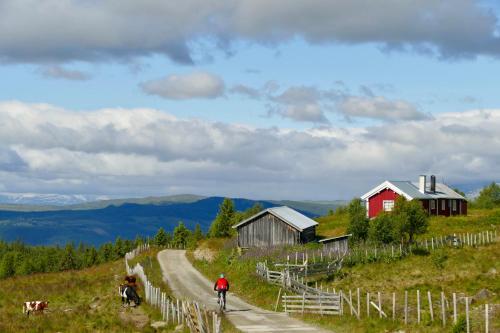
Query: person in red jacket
<point x="221" y="286"/>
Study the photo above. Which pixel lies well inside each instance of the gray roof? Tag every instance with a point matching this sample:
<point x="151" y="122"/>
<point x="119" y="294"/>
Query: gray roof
<point x="332" y="239"/>
<point x="288" y="215"/>
<point x="410" y="190"/>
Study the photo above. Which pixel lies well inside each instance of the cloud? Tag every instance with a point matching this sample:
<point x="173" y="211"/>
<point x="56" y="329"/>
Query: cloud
<point x="311" y="104"/>
<point x="381" y="108"/>
<point x="66" y="30"/>
<point x="124" y="152"/>
<point x="247" y="91"/>
<point x="186" y="86"/>
<point x="58" y="72"/>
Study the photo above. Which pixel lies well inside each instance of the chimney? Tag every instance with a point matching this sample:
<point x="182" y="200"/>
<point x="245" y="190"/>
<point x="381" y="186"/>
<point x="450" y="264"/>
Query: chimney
<point x="421" y="183"/>
<point x="433" y="184"/>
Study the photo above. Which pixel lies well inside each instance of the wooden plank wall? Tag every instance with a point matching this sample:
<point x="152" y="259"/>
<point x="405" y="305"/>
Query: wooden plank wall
<point x="267" y="230"/>
<point x="341" y="245"/>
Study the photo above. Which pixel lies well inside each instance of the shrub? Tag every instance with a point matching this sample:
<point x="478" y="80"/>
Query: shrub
<point x="358" y="222"/>
<point x="460" y="326"/>
<point x="382" y="229"/>
<point x="438" y="258"/>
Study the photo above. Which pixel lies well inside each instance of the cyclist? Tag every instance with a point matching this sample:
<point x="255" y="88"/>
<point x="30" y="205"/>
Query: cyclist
<point x="221" y="286"/>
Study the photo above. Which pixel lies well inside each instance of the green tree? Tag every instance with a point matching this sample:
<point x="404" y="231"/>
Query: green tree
<point x="69" y="260"/>
<point x="161" y="238"/>
<point x="410" y="219"/>
<point x="197" y="234"/>
<point x="90" y="257"/>
<point x="382" y="228"/>
<point x="489" y="197"/>
<point x="221" y="226"/>
<point x="118" y="248"/>
<point x="358" y="221"/>
<point x="7" y="265"/>
<point x="181" y="235"/>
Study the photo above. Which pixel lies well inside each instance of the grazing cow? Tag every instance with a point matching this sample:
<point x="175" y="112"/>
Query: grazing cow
<point x="34" y="307"/>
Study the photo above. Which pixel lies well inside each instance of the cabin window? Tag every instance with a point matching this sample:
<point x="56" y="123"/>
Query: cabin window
<point x="388" y="205"/>
<point x="443" y="204"/>
<point x="433" y="204"/>
<point x="454" y="205"/>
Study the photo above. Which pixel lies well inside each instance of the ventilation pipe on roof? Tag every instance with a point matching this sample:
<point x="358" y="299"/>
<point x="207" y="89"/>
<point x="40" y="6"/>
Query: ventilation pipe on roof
<point x="433" y="184"/>
<point x="421" y="183"/>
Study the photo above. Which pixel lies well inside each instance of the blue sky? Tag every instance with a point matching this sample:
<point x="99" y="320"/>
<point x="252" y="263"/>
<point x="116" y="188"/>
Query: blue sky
<point x="320" y="81"/>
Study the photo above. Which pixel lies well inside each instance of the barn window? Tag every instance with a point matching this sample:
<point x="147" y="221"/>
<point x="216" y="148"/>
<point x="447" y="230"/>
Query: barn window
<point x="454" y="205"/>
<point x="388" y="205"/>
<point x="433" y="204"/>
<point x="443" y="204"/>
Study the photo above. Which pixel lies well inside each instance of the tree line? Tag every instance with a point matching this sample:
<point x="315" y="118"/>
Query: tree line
<point x="17" y="258"/>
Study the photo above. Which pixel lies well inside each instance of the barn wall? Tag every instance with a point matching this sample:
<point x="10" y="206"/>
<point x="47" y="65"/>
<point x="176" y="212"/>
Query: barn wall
<point x="375" y="205"/>
<point x="267" y="230"/>
<point x="341" y="245"/>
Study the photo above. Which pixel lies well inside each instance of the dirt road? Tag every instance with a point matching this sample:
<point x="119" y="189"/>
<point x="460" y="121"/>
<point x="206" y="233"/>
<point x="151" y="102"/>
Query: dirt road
<point x="185" y="281"/>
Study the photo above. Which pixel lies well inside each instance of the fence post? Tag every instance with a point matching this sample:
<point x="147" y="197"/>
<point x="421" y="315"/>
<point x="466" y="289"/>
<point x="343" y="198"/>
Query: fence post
<point x="277" y="301"/>
<point x="486" y="321"/>
<point x="406" y="306"/>
<point x="368" y="304"/>
<point x="359" y="304"/>
<point x="418" y="306"/>
<point x="393" y="306"/>
<point x="454" y="308"/>
<point x="341" y="303"/>
<point x="467" y="313"/>
<point x="443" y="310"/>
<point x="429" y="296"/>
<point x="350" y="300"/>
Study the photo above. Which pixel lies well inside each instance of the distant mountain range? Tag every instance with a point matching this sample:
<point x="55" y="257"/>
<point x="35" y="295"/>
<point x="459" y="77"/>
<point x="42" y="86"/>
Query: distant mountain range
<point x="100" y="221"/>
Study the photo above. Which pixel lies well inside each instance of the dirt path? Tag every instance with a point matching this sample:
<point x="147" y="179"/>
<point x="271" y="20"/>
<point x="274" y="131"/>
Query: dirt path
<point x="186" y="281"/>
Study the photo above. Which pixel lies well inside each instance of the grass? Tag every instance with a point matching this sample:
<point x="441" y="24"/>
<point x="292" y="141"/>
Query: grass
<point x="79" y="301"/>
<point x="148" y="260"/>
<point x="463" y="270"/>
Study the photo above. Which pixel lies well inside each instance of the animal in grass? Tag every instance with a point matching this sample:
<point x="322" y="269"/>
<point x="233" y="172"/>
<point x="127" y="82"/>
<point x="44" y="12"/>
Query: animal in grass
<point x="35" y="307"/>
<point x="128" y="291"/>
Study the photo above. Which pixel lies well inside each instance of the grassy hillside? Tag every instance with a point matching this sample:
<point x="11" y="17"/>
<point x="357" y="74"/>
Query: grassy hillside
<point x="466" y="270"/>
<point x="79" y="301"/>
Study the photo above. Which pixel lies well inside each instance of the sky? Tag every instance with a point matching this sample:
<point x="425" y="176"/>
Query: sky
<point x="318" y="100"/>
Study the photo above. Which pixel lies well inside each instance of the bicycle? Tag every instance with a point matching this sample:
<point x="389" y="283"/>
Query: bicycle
<point x="221" y="302"/>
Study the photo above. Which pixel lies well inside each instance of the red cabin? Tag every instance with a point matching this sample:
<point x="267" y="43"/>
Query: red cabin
<point x="436" y="198"/>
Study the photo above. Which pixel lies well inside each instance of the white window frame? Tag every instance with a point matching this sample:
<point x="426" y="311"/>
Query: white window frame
<point x="443" y="204"/>
<point x="433" y="204"/>
<point x="454" y="205"/>
<point x="388" y="205"/>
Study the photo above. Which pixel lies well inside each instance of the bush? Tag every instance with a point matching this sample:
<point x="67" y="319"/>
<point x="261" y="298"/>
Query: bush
<point x="438" y="258"/>
<point x="358" y="222"/>
<point x="489" y="197"/>
<point x="382" y="229"/>
<point x="460" y="326"/>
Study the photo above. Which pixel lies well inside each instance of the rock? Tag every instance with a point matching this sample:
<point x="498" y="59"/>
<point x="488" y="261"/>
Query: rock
<point x="158" y="324"/>
<point x="482" y="294"/>
<point x="492" y="271"/>
<point x="179" y="328"/>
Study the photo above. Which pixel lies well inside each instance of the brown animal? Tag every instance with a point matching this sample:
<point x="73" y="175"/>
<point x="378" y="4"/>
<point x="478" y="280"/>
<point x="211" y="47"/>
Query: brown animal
<point x="35" y="307"/>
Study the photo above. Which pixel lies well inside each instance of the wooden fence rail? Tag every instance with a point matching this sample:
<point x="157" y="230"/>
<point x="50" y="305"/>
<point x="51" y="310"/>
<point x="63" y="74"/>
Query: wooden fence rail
<point x="198" y="319"/>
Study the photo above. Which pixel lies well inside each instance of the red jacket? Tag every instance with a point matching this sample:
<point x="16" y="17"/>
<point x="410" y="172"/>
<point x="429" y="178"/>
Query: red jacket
<point x="221" y="284"/>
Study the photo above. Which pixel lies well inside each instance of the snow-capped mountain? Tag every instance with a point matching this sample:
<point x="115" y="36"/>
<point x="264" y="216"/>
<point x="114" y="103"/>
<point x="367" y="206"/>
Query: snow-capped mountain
<point x="44" y="199"/>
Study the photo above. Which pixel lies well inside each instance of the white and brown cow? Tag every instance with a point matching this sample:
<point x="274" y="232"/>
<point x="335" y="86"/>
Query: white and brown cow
<point x="34" y="307"/>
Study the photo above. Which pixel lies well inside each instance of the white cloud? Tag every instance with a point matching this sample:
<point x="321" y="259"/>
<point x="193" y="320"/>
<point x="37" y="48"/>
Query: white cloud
<point x="378" y="107"/>
<point x="66" y="30"/>
<point x="186" y="86"/>
<point x="58" y="72"/>
<point x="137" y="152"/>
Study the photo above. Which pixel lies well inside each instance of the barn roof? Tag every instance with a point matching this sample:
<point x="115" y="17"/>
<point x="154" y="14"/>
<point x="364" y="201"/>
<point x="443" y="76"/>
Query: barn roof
<point x="287" y="214"/>
<point x="410" y="190"/>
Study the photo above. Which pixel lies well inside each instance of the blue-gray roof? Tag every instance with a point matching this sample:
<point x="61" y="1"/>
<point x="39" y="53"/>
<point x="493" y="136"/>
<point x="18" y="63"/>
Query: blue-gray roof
<point x="288" y="215"/>
<point x="411" y="191"/>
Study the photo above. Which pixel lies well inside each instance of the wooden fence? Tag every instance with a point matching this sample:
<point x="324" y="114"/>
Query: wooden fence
<point x="409" y="307"/>
<point x="328" y="261"/>
<point x="175" y="311"/>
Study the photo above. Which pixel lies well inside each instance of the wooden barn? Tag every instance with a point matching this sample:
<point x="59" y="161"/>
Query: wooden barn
<point x="276" y="226"/>
<point x="436" y="198"/>
<point x="336" y="244"/>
